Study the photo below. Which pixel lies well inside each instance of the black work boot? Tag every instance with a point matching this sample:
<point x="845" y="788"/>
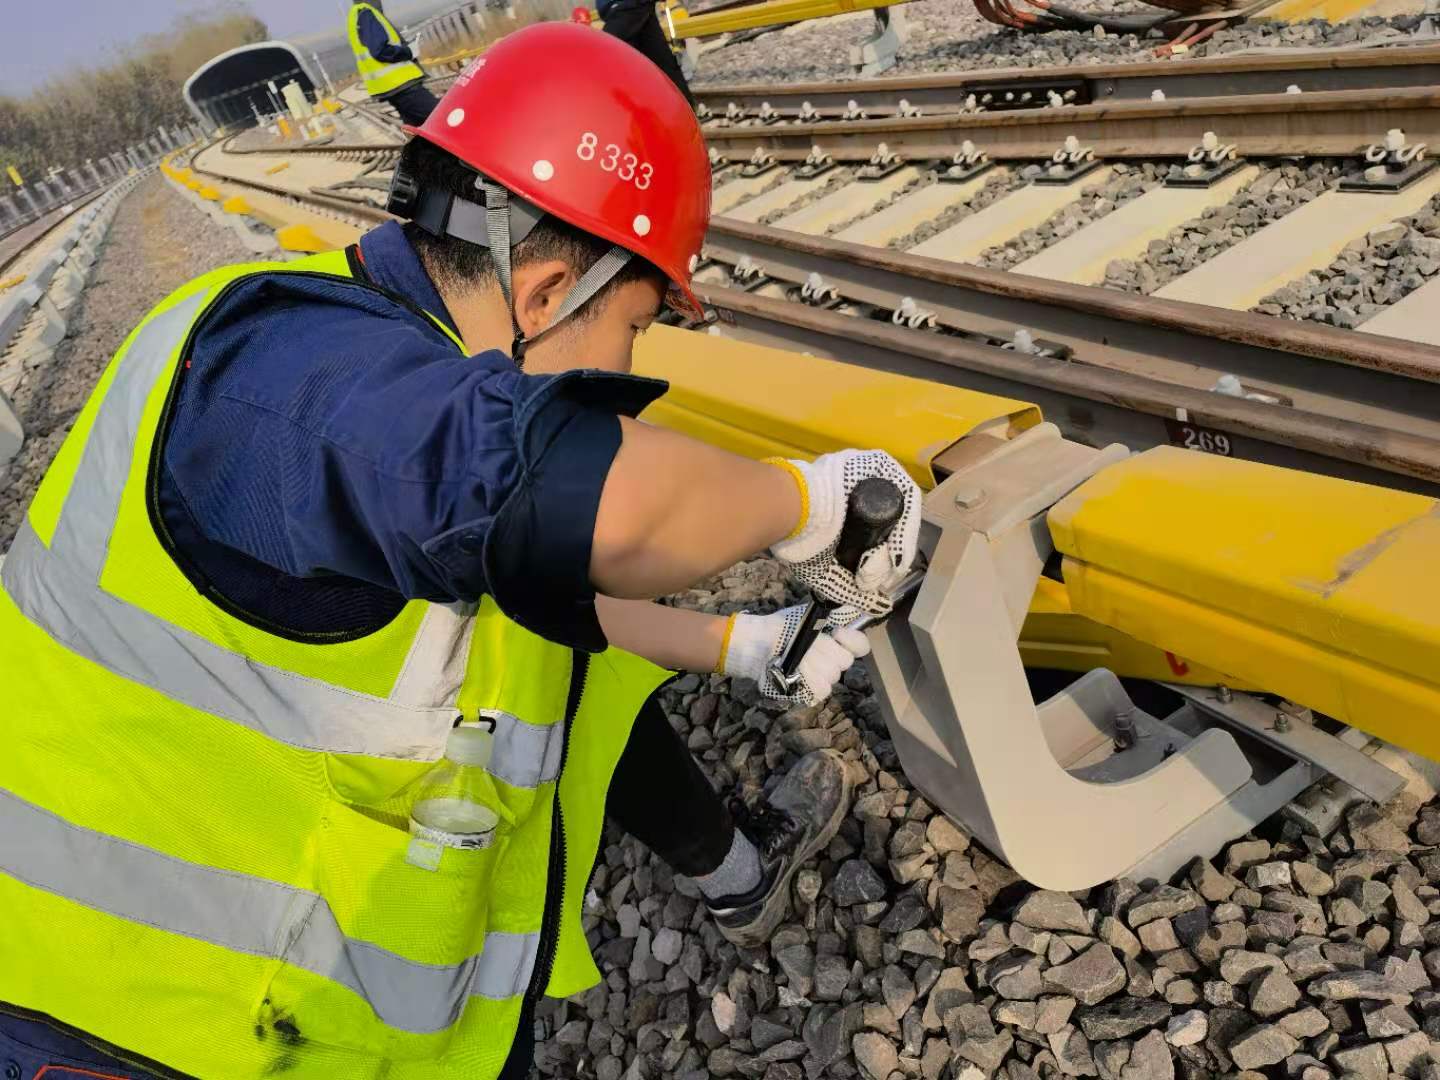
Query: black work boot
<point x="795" y="821"/>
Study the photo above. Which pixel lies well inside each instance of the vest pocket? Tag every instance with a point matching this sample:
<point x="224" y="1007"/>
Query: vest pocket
<point x="385" y="959"/>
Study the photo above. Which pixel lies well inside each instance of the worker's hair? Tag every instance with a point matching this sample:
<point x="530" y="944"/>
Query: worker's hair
<point x="458" y="265"/>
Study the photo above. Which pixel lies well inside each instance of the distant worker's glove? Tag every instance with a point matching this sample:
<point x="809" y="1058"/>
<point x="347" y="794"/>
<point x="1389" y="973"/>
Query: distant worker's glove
<point x="752" y="641"/>
<point x="825" y="486"/>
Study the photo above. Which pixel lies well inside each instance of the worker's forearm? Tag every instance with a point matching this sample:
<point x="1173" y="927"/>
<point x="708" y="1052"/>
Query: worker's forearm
<point x="671" y="637"/>
<point x="675" y="510"/>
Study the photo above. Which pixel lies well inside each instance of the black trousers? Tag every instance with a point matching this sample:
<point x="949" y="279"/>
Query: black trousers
<point x="660" y="797"/>
<point x="414" y="103"/>
<point x="639" y="27"/>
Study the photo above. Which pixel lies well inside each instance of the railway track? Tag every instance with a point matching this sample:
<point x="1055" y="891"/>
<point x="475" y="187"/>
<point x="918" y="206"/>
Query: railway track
<point x="809" y="251"/>
<point x="1008" y="89"/>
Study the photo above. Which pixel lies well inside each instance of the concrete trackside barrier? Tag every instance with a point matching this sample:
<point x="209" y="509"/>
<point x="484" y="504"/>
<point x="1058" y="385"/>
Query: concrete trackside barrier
<point x="32" y="319"/>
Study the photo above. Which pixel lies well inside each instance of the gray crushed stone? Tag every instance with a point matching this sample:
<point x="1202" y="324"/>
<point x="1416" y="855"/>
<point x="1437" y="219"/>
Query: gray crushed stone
<point x="1127" y="181"/>
<point x="1276" y="191"/>
<point x="949" y="35"/>
<point x="1370" y="274"/>
<point x="909" y="952"/>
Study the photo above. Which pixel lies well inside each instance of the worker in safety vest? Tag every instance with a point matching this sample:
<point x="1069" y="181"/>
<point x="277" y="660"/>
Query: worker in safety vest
<point x="386" y="63"/>
<point x="636" y="23"/>
<point x="318" y="514"/>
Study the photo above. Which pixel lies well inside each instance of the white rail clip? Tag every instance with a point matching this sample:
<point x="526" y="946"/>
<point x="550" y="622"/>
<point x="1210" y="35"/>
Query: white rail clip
<point x="761" y="162"/>
<point x="912" y="315"/>
<point x="809" y="114"/>
<point x="819" y="292"/>
<point x="853" y="111"/>
<point x="967" y="163"/>
<point x="904" y="109"/>
<point x="1069" y="163"/>
<point x="816" y="162"/>
<point x="1390" y="166"/>
<point x="881" y="164"/>
<point x="1207" y="162"/>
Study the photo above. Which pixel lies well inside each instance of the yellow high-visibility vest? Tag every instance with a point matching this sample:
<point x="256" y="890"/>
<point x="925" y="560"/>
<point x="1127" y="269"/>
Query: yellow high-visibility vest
<point x="203" y="825"/>
<point x="380" y="78"/>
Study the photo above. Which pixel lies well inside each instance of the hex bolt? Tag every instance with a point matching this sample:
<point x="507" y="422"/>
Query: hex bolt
<point x="1125" y="729"/>
<point x="969" y="498"/>
<point x="1223" y="694"/>
<point x="1282" y="722"/>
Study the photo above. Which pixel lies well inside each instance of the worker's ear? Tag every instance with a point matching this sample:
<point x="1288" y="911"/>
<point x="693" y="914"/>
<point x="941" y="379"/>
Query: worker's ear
<point x="539" y="289"/>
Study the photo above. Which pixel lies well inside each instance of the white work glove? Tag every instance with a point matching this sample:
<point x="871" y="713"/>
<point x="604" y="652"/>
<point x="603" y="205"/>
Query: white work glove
<point x="826" y="484"/>
<point x="755" y="640"/>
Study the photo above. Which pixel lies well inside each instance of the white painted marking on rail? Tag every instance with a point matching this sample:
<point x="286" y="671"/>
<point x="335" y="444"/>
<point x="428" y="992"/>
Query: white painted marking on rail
<point x="1183" y="415"/>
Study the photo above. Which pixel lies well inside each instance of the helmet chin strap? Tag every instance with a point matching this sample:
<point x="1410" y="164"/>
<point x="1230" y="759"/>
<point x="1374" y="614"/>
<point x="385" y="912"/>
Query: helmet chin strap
<point x="497" y="223"/>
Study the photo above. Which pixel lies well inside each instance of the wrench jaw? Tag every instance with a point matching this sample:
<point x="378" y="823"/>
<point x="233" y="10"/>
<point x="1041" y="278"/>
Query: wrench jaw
<point x="904" y="592"/>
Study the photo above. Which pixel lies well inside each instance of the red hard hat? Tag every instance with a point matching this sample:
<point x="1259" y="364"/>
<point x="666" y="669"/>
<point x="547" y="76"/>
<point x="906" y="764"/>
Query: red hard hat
<point x="587" y="129"/>
<point x="580" y="15"/>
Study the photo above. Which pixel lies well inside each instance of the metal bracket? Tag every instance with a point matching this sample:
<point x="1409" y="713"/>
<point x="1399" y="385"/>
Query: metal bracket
<point x="809" y="114"/>
<point x="904" y="109"/>
<point x="1209" y="162"/>
<point x="967" y="163"/>
<point x="1069" y="163"/>
<point x="1391" y="166"/>
<point x="816" y="163"/>
<point x="1040" y="785"/>
<point x="1291" y="730"/>
<point x="877" y="53"/>
<point x="853" y="111"/>
<point x="1031" y="95"/>
<point x="768" y="115"/>
<point x="881" y="164"/>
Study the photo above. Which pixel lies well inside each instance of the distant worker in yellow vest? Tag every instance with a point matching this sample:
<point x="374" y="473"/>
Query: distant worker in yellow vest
<point x="327" y="643"/>
<point x="386" y="63"/>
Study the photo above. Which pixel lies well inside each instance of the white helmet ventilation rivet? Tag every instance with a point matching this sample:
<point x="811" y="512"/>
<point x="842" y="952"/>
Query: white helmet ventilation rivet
<point x="542" y="170"/>
<point x="456" y="117"/>
<point x="641" y="225"/>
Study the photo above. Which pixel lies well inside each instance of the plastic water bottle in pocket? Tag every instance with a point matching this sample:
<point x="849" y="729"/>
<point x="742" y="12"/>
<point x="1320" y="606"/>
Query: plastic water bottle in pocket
<point x="455" y="804"/>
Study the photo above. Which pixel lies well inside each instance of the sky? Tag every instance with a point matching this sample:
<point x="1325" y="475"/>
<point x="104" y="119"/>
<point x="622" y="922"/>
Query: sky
<point x="39" y="43"/>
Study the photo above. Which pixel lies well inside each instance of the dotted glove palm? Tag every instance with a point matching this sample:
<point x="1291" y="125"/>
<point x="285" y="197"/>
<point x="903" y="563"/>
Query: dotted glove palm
<point x="825" y="486"/>
<point x="752" y="641"/>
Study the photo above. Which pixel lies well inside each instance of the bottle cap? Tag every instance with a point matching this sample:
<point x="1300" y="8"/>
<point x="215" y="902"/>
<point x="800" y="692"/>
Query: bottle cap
<point x="469" y="746"/>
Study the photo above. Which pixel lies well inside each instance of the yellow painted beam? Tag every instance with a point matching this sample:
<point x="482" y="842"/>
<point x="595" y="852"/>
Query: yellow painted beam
<point x="1054" y="636"/>
<point x="1319" y="589"/>
<point x="761" y="401"/>
<point x="236" y="204"/>
<point x="766" y="13"/>
<point x="210" y="193"/>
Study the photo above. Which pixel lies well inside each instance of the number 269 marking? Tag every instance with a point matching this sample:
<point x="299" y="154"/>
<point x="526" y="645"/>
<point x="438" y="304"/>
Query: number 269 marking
<point x="613" y="159"/>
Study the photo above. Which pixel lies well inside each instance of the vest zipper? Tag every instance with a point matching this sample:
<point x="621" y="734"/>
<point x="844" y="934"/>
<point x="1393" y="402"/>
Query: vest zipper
<point x="555" y="885"/>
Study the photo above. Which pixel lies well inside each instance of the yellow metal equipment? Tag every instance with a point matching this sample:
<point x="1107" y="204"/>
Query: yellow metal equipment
<point x="1319" y="589"/>
<point x="766" y="13"/>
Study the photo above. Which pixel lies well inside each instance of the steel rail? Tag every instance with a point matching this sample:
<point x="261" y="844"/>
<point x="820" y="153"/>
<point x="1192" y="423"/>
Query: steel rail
<point x="1334" y="122"/>
<point x="1093" y="405"/>
<point x="1311" y="70"/>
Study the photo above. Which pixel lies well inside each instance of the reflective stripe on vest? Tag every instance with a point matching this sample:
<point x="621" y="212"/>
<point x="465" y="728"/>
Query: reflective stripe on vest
<point x="52" y="586"/>
<point x="251" y="915"/>
<point x="380" y="78"/>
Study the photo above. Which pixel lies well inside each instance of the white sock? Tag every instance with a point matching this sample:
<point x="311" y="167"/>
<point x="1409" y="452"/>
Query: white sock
<point x="739" y="873"/>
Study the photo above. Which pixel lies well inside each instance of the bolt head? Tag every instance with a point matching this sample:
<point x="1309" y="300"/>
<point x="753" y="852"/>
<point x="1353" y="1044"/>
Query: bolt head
<point x="969" y="498"/>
